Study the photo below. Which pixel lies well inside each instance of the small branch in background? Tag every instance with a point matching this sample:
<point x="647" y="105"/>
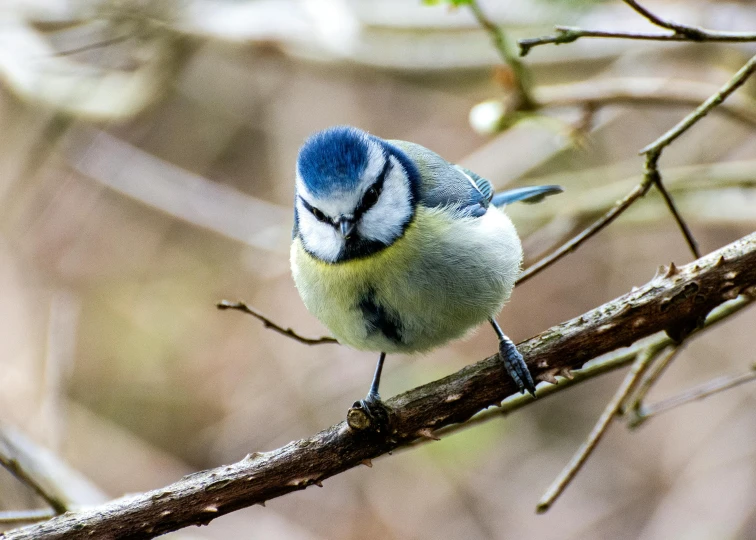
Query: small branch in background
<point x="683" y="226"/>
<point x="19" y="517"/>
<point x="522" y="80"/>
<point x="735" y="82"/>
<point x="635" y="402"/>
<point x="13" y="465"/>
<point x="576" y="241"/>
<point x="720" y="384"/>
<point x="586" y="449"/>
<point x="691" y="32"/>
<point x="288" y="332"/>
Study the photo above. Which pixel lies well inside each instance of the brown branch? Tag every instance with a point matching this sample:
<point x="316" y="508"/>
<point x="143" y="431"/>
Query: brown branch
<point x="676" y="302"/>
<point x="288" y="332"/>
<point x="595" y="368"/>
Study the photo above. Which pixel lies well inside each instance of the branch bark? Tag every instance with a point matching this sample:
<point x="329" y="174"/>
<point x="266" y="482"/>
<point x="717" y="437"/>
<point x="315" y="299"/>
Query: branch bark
<point x="677" y="301"/>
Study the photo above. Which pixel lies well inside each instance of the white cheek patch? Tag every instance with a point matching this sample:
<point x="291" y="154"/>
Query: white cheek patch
<point x="385" y="221"/>
<point x="320" y="239"/>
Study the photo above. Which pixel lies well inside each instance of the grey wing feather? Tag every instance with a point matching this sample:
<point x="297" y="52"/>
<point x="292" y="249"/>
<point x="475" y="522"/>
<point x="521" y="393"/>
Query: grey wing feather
<point x="444" y="184"/>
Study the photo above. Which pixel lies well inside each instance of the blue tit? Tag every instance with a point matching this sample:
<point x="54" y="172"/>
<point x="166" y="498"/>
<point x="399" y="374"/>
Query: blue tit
<point x="396" y="250"/>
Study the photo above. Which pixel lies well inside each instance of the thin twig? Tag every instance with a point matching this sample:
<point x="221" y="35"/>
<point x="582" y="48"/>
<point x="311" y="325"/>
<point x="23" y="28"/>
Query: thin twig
<point x="684" y="229"/>
<point x="702" y="391"/>
<point x="690" y="32"/>
<point x="634" y="402"/>
<point x="288" y="332"/>
<point x="14" y="467"/>
<point x="586" y="449"/>
<point x="14" y="517"/>
<point x="573" y="243"/>
<point x="737" y="80"/>
<point x="98" y="45"/>
<point x="521" y="74"/>
<point x="568" y="34"/>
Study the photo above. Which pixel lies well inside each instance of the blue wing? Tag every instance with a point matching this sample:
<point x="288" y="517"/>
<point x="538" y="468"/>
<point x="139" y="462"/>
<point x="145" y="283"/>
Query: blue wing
<point x="443" y="184"/>
<point x="530" y="194"/>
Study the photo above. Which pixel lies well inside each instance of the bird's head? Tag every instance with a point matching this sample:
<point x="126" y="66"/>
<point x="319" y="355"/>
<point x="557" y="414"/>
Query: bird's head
<point x="355" y="194"/>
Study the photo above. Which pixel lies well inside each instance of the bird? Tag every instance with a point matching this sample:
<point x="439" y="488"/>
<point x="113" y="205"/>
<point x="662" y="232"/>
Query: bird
<point x="396" y="250"/>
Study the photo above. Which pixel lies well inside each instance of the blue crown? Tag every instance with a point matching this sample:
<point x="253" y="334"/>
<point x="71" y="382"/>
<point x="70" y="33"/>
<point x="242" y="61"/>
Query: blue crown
<point x="333" y="160"/>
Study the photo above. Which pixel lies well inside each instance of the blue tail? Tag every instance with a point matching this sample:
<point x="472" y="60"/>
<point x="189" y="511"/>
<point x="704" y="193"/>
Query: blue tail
<point x="530" y="194"/>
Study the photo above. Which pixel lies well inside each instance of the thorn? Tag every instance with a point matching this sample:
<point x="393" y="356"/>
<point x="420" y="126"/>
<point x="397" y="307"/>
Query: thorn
<point x="660" y="271"/>
<point x="261" y="503"/>
<point x="548" y="377"/>
<point x="496" y="404"/>
<point x="252" y="456"/>
<point x="566" y="373"/>
<point x="671" y="271"/>
<point x="318" y="483"/>
<point x="427" y="434"/>
<point x="367" y="463"/>
<point x="720" y="261"/>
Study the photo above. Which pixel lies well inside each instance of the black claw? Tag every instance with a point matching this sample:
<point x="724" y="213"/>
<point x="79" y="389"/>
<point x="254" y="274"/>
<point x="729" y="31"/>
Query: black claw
<point x="516" y="367"/>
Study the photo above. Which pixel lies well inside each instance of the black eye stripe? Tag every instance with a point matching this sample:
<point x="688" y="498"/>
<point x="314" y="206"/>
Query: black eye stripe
<point x="369" y="199"/>
<point x="320" y="216"/>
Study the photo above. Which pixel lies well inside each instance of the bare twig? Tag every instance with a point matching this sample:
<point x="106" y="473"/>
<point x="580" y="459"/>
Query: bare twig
<point x="664" y="303"/>
<point x="12" y="465"/>
<point x="610" y="411"/>
<point x="737" y="80"/>
<point x="25" y="516"/>
<point x="702" y="391"/>
<point x="679" y="32"/>
<point x="691" y="32"/>
<point x="288" y="332"/>
<point x="521" y="74"/>
<point x="575" y="242"/>
<point x="633" y="404"/>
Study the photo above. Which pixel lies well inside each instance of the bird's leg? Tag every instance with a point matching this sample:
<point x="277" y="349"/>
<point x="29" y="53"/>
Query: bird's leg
<point x="370" y="412"/>
<point x="373" y="394"/>
<point x="513" y="361"/>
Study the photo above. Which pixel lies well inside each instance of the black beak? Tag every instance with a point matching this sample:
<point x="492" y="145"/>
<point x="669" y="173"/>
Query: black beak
<point x="346" y="226"/>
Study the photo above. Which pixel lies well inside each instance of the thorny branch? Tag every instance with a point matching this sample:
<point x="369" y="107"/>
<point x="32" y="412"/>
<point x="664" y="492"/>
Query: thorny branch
<point x="676" y="301"/>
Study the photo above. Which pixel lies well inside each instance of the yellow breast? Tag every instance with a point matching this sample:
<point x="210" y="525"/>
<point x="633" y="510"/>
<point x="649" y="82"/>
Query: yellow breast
<point x="443" y="276"/>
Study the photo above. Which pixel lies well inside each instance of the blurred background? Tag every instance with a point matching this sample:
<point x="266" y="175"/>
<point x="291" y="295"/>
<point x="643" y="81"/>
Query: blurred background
<point x="147" y="158"/>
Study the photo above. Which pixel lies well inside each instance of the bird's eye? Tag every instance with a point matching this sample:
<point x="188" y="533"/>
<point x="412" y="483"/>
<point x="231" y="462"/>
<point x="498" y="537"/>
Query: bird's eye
<point x="320" y="216"/>
<point x="370" y="198"/>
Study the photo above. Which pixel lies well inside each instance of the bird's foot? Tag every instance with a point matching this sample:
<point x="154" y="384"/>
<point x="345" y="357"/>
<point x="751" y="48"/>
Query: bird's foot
<point x="516" y="367"/>
<point x="368" y="414"/>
